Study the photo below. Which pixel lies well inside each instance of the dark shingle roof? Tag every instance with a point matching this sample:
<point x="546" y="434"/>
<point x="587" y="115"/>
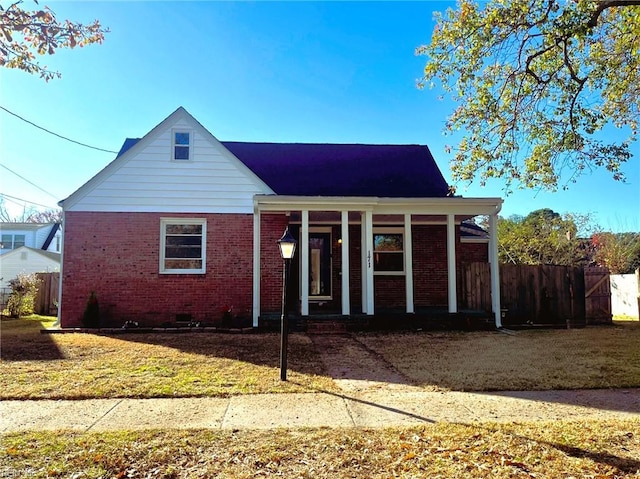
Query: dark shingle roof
<point x="469" y="230"/>
<point x="343" y="170"/>
<point x="128" y="143"/>
<point x="314" y="169"/>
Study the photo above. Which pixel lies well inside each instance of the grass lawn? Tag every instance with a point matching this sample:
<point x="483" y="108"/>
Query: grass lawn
<point x="594" y="357"/>
<point x="36" y="365"/>
<point x="80" y="366"/>
<point x="594" y="449"/>
<point x="74" y="366"/>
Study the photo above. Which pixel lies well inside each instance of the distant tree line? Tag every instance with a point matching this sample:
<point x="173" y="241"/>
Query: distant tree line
<point x="30" y="215"/>
<point x="546" y="237"/>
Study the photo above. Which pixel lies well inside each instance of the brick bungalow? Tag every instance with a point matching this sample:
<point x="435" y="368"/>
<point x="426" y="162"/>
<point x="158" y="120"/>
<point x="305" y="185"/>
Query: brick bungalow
<point x="183" y="226"/>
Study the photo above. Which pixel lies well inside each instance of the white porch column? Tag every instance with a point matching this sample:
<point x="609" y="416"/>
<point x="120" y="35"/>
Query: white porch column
<point x="304" y="258"/>
<point x="451" y="263"/>
<point x="346" y="300"/>
<point x="363" y="262"/>
<point x="408" y="263"/>
<point x="495" y="269"/>
<point x="367" y="272"/>
<point x="256" y="267"/>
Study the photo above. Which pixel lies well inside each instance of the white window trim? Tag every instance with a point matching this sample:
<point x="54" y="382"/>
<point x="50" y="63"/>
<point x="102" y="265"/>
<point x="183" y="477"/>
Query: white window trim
<point x="182" y="221"/>
<point x="391" y="231"/>
<point x="173" y="143"/>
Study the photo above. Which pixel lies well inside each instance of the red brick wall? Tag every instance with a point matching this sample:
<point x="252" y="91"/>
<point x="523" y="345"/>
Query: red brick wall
<point x="473" y="253"/>
<point x="117" y="256"/>
<point x="272" y="227"/>
<point x="429" y="265"/>
<point x="429" y="269"/>
<point x="430" y="288"/>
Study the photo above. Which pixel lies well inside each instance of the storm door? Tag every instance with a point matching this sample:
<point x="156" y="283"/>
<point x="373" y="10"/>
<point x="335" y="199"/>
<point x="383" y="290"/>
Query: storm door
<point x="320" y="264"/>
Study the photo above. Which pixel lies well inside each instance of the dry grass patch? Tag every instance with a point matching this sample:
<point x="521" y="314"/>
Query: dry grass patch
<point x="596" y="449"/>
<point x="140" y="365"/>
<point x="596" y="357"/>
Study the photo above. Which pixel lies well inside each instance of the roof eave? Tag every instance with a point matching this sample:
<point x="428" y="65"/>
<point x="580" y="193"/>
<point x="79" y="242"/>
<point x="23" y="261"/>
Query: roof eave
<point x="437" y="206"/>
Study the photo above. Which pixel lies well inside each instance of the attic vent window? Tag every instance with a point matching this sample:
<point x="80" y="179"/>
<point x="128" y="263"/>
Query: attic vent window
<point x="181" y="145"/>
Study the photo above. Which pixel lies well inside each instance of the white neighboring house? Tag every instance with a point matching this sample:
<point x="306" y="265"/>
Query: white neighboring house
<point x="27" y="260"/>
<point x="44" y="236"/>
<point x="28" y="248"/>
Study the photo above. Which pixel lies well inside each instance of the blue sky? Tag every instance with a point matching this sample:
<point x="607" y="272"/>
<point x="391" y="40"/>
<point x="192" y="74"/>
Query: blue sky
<point x="250" y="71"/>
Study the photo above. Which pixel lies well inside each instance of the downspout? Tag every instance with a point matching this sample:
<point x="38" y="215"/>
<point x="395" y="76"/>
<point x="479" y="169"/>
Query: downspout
<point x="58" y="322"/>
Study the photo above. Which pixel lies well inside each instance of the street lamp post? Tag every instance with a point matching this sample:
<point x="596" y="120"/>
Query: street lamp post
<point x="287" y="245"/>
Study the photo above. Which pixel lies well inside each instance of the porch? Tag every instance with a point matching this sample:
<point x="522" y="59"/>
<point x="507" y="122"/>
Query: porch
<point x="359" y="258"/>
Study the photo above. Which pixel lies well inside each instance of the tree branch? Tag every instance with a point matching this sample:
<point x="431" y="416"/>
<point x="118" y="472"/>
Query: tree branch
<point x="604" y="4"/>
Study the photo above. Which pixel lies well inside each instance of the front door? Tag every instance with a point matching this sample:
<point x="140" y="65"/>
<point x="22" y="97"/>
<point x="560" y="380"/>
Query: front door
<point x="320" y="264"/>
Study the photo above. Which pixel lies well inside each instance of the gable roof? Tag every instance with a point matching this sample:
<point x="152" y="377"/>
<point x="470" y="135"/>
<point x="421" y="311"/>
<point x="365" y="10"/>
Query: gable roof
<point x="318" y="169"/>
<point x="107" y="191"/>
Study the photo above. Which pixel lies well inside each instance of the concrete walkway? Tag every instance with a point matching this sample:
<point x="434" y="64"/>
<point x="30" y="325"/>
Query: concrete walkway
<point x="373" y="394"/>
<point x="371" y="408"/>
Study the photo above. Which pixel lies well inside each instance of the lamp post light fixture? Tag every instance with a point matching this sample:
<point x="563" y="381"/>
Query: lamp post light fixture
<point x="287" y="245"/>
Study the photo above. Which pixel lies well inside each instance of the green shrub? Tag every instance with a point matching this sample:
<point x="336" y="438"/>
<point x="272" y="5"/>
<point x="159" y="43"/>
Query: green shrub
<point x="91" y="316"/>
<point x="24" y="289"/>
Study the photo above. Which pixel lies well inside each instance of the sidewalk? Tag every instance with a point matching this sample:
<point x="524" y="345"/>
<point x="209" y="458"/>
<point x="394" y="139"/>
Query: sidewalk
<point x="370" y="408"/>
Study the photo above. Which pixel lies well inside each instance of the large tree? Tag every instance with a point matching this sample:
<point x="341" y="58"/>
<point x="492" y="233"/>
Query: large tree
<point x="541" y="237"/>
<point x="620" y="252"/>
<point x="536" y="82"/>
<point x="27" y="33"/>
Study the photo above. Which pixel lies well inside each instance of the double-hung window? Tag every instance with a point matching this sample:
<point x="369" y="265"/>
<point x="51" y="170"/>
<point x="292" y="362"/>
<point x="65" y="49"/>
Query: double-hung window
<point x="11" y="241"/>
<point x="183" y="245"/>
<point x="181" y="143"/>
<point x="388" y="251"/>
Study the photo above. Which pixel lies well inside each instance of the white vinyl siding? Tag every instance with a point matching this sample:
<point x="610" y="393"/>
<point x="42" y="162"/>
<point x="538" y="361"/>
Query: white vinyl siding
<point x="183" y="246"/>
<point x="147" y="178"/>
<point x="25" y="260"/>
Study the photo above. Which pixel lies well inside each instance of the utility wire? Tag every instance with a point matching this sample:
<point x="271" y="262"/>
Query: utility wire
<point x="29" y="181"/>
<point x="56" y="134"/>
<point x="13" y="198"/>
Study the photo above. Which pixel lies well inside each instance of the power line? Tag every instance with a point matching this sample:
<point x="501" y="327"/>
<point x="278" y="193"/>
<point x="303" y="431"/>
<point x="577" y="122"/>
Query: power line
<point x="13" y="198"/>
<point x="29" y="181"/>
<point x="56" y="134"/>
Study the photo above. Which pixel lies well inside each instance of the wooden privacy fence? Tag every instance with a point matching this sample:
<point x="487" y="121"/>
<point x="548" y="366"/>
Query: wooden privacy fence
<point x="46" y="302"/>
<point x="543" y="294"/>
<point x="597" y="296"/>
